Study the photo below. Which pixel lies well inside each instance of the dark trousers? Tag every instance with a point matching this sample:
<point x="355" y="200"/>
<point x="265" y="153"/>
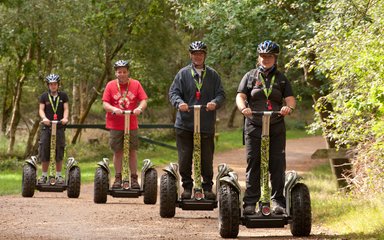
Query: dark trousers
<point x="184" y="142"/>
<point x="277" y="164"/>
<point x="45" y="144"/>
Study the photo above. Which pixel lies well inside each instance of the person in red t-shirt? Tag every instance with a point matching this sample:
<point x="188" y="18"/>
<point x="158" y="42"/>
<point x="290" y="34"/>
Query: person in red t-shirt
<point x="123" y="93"/>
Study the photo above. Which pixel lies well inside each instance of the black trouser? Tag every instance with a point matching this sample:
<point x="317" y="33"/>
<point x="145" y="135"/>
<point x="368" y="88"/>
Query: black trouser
<point x="277" y="164"/>
<point x="45" y="144"/>
<point x="184" y="142"/>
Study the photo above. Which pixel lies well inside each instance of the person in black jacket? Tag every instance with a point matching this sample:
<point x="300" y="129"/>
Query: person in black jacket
<point x="265" y="89"/>
<point x="53" y="106"/>
<point x="196" y="84"/>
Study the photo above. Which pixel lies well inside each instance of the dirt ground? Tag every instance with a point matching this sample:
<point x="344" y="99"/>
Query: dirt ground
<point x="54" y="216"/>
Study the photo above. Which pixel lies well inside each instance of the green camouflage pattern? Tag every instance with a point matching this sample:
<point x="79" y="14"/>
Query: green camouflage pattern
<point x="264" y="174"/>
<point x="197" y="159"/>
<point x="52" y="153"/>
<point x="126" y="171"/>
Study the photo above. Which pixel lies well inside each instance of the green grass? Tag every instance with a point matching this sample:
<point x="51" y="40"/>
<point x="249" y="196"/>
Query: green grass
<point x="350" y="216"/>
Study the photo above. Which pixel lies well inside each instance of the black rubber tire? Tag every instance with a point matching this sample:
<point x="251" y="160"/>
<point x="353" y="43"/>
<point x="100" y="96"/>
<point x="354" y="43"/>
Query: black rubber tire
<point x="28" y="183"/>
<point x="168" y="196"/>
<point x="74" y="182"/>
<point x="301" y="212"/>
<point x="229" y="211"/>
<point x="150" y="186"/>
<point x="101" y="185"/>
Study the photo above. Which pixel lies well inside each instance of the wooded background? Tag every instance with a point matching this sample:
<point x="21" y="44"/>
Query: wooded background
<point x="332" y="51"/>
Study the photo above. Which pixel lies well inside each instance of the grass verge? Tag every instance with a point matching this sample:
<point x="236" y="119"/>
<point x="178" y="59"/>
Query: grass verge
<point x="348" y="215"/>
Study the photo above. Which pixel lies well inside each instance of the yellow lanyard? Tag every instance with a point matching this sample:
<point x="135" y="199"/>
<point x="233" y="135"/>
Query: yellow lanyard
<point x="199" y="83"/>
<point x="54" y="108"/>
<point x="267" y="91"/>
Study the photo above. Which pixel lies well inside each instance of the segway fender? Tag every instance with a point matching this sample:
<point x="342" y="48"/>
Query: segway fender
<point x="32" y="161"/>
<point x="291" y="179"/>
<point x="71" y="162"/>
<point x="223" y="170"/>
<point x="104" y="164"/>
<point x="147" y="164"/>
<point x="173" y="169"/>
<point x="227" y="175"/>
<point x="231" y="179"/>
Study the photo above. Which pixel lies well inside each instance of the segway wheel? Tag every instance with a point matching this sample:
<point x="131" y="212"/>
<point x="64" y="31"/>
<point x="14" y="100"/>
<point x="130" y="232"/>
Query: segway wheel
<point x="28" y="181"/>
<point x="301" y="211"/>
<point x="168" y="196"/>
<point x="101" y="185"/>
<point x="229" y="212"/>
<point x="74" y="182"/>
<point x="150" y="186"/>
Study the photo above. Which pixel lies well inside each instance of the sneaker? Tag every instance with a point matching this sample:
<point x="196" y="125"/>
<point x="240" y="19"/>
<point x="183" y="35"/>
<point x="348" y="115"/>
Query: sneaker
<point x="134" y="183"/>
<point x="42" y="180"/>
<point x="277" y="207"/>
<point x="209" y="195"/>
<point x="249" y="209"/>
<point x="59" y="180"/>
<point x="117" y="183"/>
<point x="187" y="194"/>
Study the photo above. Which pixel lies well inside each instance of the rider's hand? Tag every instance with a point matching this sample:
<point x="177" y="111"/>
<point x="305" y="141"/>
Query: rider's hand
<point x="211" y="106"/>
<point x="183" y="107"/>
<point x="247" y="112"/>
<point x="46" y="122"/>
<point x="284" y="111"/>
<point x="117" y="111"/>
<point x="137" y="111"/>
<point x="64" y="121"/>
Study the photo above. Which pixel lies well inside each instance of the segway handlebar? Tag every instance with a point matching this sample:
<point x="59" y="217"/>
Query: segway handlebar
<point x="57" y="122"/>
<point x="193" y="106"/>
<point x="128" y="112"/>
<point x="261" y="113"/>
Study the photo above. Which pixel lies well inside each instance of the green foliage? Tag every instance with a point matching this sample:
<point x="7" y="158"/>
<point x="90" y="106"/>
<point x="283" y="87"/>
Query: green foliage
<point x="349" y="50"/>
<point x="233" y="29"/>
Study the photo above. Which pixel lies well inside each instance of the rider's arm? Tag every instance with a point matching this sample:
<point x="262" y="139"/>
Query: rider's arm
<point x="241" y="99"/>
<point x="289" y="107"/>
<point x="109" y="108"/>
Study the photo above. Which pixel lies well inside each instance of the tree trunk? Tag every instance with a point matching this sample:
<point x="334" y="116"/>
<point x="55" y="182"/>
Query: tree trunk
<point x="91" y="101"/>
<point x="32" y="133"/>
<point x="75" y="112"/>
<point x="15" y="117"/>
<point x="35" y="148"/>
<point x="5" y="107"/>
<point x="231" y="119"/>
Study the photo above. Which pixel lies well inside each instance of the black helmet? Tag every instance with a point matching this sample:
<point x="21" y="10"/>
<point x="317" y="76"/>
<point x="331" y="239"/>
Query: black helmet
<point x="197" y="46"/>
<point x="268" y="47"/>
<point x="121" y="63"/>
<point x="52" y="78"/>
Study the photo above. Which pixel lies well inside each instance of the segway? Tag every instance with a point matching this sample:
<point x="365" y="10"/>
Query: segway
<point x="298" y="204"/>
<point x="72" y="175"/>
<point x="170" y="181"/>
<point x="148" y="186"/>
